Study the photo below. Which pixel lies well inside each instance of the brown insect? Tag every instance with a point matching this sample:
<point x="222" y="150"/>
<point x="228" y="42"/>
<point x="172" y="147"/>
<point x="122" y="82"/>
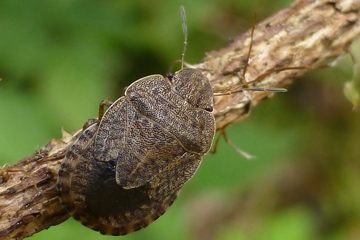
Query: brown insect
<point x="127" y="167"/>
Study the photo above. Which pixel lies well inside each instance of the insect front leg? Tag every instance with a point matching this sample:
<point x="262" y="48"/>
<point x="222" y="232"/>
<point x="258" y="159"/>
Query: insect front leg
<point x="104" y="103"/>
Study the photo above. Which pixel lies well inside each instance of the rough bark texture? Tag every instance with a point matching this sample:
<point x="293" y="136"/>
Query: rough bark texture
<point x="305" y="34"/>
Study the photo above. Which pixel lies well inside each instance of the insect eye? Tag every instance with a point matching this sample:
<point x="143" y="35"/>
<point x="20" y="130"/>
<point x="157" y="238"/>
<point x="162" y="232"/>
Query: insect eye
<point x="170" y="76"/>
<point x="209" y="109"/>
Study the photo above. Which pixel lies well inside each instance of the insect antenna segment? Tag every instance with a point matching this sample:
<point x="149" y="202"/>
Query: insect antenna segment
<point x="184" y="28"/>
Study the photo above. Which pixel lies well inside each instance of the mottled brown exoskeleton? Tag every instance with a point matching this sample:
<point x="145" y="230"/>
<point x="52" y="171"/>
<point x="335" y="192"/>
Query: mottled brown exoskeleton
<point x="127" y="168"/>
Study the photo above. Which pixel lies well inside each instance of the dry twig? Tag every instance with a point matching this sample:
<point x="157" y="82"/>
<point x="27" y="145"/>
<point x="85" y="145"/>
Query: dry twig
<point x="305" y="34"/>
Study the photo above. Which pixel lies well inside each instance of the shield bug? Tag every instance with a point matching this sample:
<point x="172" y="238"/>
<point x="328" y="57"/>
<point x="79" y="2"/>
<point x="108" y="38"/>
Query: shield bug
<point x="127" y="167"/>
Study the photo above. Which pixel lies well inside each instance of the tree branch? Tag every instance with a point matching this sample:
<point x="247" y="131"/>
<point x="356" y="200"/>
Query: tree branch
<point x="305" y="34"/>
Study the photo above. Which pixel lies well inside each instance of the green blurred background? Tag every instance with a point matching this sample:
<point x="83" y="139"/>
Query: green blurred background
<point x="59" y="59"/>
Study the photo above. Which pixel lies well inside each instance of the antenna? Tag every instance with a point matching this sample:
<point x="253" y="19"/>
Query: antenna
<point x="255" y="89"/>
<point x="184" y="28"/>
<point x="237" y="89"/>
<point x="250" y="48"/>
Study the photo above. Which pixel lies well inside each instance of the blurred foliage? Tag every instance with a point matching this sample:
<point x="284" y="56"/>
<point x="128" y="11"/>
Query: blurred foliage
<point x="59" y="59"/>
